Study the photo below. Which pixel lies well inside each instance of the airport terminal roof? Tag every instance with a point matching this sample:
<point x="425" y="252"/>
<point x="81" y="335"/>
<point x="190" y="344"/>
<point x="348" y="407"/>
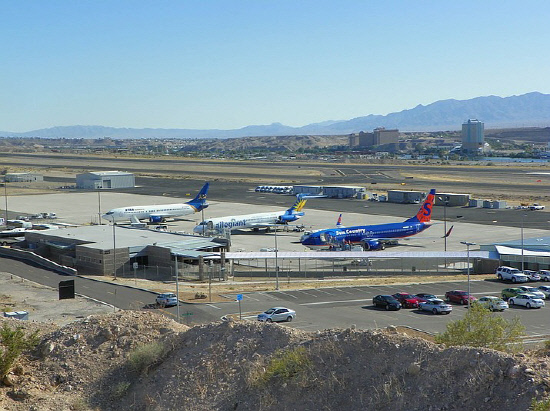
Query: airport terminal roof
<point x="535" y="244"/>
<point x="104" y="236"/>
<point x="358" y="254"/>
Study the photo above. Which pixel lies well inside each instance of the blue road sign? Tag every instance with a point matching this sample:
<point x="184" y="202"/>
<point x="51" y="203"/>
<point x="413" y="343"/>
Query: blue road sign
<point x="239" y="297"/>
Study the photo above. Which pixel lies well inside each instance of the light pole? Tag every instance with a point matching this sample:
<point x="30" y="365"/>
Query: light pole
<point x="6" y="198"/>
<point x="276" y="262"/>
<point x="468" y="244"/>
<point x="522" y="256"/>
<point x="114" y="249"/>
<point x="99" y="205"/>
<point x="445" y="204"/>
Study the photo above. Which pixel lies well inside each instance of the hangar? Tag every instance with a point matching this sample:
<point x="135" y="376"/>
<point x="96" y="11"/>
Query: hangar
<point x="105" y="180"/>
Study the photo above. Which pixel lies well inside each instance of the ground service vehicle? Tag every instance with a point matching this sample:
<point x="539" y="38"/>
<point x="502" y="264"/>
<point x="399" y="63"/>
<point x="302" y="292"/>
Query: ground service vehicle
<point x="511" y="274"/>
<point x="277" y="314"/>
<point x="386" y="301"/>
<point x="493" y="303"/>
<point x="527" y="300"/>
<point x="436" y="306"/>
<point x="459" y="296"/>
<point x="167" y="299"/>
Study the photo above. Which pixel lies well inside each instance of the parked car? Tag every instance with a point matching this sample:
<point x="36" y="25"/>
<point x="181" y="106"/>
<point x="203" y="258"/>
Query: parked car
<point x="511" y="274"/>
<point x="423" y="297"/>
<point x="459" y="296"/>
<point x="277" y="314"/>
<point x="544" y="275"/>
<point x="510" y="292"/>
<point x="389" y="302"/>
<point x="167" y="299"/>
<point x="436" y="306"/>
<point x="527" y="300"/>
<point x="493" y="303"/>
<point x="533" y="275"/>
<point x="545" y="289"/>
<point x="407" y="300"/>
<point x="532" y="290"/>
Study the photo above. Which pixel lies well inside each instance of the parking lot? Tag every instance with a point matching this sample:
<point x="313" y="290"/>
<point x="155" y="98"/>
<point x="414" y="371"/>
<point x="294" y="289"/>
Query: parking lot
<point x="342" y="307"/>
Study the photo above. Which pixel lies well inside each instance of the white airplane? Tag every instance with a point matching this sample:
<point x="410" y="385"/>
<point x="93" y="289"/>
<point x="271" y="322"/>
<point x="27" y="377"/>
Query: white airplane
<point x="254" y="221"/>
<point x="158" y="213"/>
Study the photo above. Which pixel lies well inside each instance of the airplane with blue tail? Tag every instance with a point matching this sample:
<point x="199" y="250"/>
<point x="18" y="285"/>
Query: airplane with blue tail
<point x="371" y="237"/>
<point x="254" y="221"/>
<point x="158" y="213"/>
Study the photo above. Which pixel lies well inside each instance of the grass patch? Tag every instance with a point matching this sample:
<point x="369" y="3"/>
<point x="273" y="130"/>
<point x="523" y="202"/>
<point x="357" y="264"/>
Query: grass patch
<point x="146" y="356"/>
<point x="286" y="365"/>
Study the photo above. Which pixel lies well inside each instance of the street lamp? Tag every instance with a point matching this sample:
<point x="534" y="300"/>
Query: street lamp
<point x="276" y="262"/>
<point x="114" y="249"/>
<point x="468" y="244"/>
<point x="522" y="255"/>
<point x="446" y="203"/>
<point x="6" y="198"/>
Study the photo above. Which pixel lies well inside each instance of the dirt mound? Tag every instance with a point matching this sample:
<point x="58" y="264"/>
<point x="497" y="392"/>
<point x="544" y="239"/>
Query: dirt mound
<point x="143" y="361"/>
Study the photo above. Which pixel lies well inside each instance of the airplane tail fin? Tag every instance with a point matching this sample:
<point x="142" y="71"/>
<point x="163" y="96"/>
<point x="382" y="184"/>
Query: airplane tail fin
<point x="448" y="233"/>
<point x="339" y="222"/>
<point x="199" y="202"/>
<point x="298" y="205"/>
<point x="424" y="214"/>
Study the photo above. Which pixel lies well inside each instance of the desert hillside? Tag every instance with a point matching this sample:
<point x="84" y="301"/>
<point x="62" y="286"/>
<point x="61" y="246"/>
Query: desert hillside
<point x="142" y="361"/>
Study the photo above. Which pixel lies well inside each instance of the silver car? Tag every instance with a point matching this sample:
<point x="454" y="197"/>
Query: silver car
<point x="532" y="290"/>
<point x="493" y="303"/>
<point x="277" y="314"/>
<point x="436" y="306"/>
<point x="544" y="275"/>
<point x="167" y="299"/>
<point x="533" y="275"/>
<point x="545" y="289"/>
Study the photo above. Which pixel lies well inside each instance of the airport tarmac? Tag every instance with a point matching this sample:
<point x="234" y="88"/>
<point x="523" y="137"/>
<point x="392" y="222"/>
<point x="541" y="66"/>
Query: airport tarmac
<point x="84" y="207"/>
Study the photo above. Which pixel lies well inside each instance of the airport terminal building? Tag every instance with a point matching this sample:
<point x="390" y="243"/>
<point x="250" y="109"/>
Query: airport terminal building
<point x="98" y="250"/>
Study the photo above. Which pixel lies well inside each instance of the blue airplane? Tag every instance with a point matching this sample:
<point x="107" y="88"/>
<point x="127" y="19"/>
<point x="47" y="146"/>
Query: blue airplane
<point x="371" y="237"/>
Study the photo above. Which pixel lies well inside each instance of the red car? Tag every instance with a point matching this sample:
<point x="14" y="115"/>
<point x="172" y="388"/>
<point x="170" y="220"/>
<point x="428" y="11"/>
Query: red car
<point x="407" y="300"/>
<point x="458" y="296"/>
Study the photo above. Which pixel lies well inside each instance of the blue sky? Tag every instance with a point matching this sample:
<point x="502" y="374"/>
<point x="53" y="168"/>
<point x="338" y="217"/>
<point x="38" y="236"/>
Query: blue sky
<point x="228" y="64"/>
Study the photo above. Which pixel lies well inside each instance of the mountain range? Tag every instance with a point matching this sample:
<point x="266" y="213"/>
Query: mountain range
<point x="526" y="110"/>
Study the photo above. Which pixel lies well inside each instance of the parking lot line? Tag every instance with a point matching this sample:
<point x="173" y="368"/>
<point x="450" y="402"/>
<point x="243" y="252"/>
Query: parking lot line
<point x="338" y="301"/>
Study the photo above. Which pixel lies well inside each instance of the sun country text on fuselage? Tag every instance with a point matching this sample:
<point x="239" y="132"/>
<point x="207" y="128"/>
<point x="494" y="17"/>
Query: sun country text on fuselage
<point x="254" y="221"/>
<point x="157" y="213"/>
<point x="372" y="237"/>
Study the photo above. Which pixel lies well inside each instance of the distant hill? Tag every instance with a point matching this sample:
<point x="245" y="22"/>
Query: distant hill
<point x="531" y="109"/>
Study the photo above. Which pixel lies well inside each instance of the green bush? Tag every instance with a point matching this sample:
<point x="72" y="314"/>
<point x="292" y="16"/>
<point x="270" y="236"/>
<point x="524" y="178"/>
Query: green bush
<point x="286" y="364"/>
<point x="481" y="328"/>
<point x="541" y="405"/>
<point x="145" y="356"/>
<point x="14" y="342"/>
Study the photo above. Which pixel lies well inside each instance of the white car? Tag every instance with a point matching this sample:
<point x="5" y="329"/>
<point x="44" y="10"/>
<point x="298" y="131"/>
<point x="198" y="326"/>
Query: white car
<point x="545" y="289"/>
<point x="511" y="274"/>
<point x="527" y="300"/>
<point x="167" y="299"/>
<point x="493" y="303"/>
<point x="533" y="275"/>
<point x="532" y="290"/>
<point x="544" y="275"/>
<point x="277" y="314"/>
<point x="436" y="306"/>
